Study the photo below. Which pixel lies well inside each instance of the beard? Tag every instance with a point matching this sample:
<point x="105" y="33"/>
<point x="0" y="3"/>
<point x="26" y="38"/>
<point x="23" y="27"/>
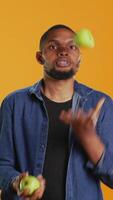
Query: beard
<point x="60" y="75"/>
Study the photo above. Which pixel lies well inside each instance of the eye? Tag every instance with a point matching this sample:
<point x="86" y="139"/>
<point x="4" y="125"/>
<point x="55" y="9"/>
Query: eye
<point x="73" y="47"/>
<point x="53" y="47"/>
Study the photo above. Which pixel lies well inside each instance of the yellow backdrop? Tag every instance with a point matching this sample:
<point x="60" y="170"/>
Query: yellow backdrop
<point x="23" y="21"/>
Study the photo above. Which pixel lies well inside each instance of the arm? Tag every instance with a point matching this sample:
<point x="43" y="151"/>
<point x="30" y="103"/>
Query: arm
<point x="104" y="168"/>
<point x="9" y="177"/>
<point x="7" y="156"/>
<point x="98" y="149"/>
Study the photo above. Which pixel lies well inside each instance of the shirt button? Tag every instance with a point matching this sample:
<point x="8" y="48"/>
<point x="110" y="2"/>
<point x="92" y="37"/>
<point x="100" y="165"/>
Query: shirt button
<point x="45" y="120"/>
<point x="38" y="165"/>
<point x="42" y="147"/>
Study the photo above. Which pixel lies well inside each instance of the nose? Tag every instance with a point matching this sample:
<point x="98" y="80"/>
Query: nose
<point x="62" y="52"/>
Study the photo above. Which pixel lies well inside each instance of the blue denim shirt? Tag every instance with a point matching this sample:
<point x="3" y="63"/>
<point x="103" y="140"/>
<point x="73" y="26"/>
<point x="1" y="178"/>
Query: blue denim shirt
<point x="23" y="141"/>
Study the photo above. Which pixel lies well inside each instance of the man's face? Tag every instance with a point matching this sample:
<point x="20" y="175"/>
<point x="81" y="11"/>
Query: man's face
<point x="60" y="54"/>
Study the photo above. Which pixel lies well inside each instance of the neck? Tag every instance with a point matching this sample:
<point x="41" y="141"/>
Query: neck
<point x="58" y="90"/>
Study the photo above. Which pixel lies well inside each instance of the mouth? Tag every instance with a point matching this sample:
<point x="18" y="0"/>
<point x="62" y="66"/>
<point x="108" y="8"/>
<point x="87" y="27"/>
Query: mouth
<point x="63" y="63"/>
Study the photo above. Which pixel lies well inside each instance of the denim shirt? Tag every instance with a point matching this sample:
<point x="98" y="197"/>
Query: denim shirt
<point x="23" y="141"/>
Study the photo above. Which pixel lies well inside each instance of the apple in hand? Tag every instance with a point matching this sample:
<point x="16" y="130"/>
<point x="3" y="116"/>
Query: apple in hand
<point x="29" y="182"/>
<point x="84" y="38"/>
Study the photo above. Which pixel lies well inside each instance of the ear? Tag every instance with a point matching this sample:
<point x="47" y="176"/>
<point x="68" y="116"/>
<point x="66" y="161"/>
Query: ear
<point x="39" y="57"/>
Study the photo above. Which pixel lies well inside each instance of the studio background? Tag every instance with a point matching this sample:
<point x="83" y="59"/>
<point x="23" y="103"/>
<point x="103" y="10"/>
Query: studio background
<point x="23" y="22"/>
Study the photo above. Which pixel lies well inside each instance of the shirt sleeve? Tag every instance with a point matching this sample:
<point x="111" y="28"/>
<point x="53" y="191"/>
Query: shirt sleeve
<point x="7" y="154"/>
<point x="104" y="167"/>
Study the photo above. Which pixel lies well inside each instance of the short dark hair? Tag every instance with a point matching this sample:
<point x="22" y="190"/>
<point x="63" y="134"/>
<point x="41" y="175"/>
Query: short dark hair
<point x="55" y="27"/>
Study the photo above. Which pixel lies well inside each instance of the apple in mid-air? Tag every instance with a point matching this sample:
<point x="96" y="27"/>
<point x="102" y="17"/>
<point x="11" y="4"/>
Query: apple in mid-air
<point x="84" y="38"/>
<point x="31" y="183"/>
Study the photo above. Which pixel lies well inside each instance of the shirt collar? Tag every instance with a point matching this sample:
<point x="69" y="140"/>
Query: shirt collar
<point x="81" y="89"/>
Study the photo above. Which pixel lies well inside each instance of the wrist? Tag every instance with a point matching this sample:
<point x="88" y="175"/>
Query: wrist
<point x="14" y="183"/>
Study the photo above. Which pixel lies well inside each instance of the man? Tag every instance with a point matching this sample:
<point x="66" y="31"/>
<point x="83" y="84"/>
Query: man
<point x="58" y="128"/>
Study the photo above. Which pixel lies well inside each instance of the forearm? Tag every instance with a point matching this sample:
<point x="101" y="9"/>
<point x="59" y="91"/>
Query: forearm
<point x="93" y="147"/>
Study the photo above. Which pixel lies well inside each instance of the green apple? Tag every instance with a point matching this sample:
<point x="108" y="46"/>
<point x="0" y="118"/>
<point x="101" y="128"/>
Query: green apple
<point x="84" y="38"/>
<point x="29" y="182"/>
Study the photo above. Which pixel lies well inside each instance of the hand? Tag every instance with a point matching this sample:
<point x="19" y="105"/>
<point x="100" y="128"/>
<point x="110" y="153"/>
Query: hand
<point x="83" y="125"/>
<point x="36" y="195"/>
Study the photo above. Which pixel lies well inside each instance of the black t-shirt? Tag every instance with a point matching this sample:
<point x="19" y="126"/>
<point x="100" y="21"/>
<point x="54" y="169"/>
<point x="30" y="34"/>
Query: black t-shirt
<point x="57" y="152"/>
